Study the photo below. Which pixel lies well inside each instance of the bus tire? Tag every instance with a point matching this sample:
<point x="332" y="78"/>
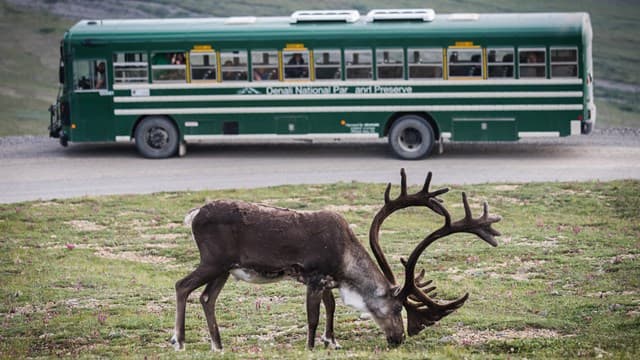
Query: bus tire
<point x="411" y="137"/>
<point x="157" y="137"/>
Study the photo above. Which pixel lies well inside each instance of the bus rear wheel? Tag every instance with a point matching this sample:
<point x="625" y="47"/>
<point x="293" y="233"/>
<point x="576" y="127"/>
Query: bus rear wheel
<point x="411" y="137"/>
<point x="156" y="137"/>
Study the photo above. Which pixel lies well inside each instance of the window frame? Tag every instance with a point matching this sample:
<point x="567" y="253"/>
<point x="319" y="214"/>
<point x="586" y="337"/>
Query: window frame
<point x="381" y="51"/>
<point x="213" y="54"/>
<point x="411" y="65"/>
<point x="121" y="64"/>
<point x="237" y="68"/>
<point x="164" y="67"/>
<point x="564" y="63"/>
<point x="286" y="66"/>
<point x="275" y="66"/>
<point x="348" y="52"/>
<point x="512" y="64"/>
<point x="472" y="65"/>
<point x="533" y="65"/>
<point x="317" y="65"/>
<point x="92" y="78"/>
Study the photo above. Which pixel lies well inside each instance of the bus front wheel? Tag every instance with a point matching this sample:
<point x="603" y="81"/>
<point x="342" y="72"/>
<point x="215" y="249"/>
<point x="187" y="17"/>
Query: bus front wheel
<point x="157" y="137"/>
<point x="411" y="137"/>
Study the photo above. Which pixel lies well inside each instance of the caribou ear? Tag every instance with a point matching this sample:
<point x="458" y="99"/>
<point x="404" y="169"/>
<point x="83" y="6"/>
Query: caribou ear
<point x="396" y="290"/>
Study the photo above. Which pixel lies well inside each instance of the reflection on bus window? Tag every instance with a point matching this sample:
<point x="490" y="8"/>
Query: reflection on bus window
<point x="390" y="63"/>
<point x="130" y="67"/>
<point x="90" y="75"/>
<point x="327" y="64"/>
<point x="168" y="67"/>
<point x="203" y="66"/>
<point x="564" y="62"/>
<point x="234" y="65"/>
<point x="264" y="65"/>
<point x="296" y="65"/>
<point x="465" y="63"/>
<point x="425" y="63"/>
<point x="358" y="64"/>
<point x="500" y="63"/>
<point x="532" y="63"/>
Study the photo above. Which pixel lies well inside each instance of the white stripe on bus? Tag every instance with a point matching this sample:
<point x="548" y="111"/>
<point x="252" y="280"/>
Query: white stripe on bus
<point x="231" y="138"/>
<point x="536" y="134"/>
<point x="448" y="95"/>
<point x="344" y="109"/>
<point x="263" y="84"/>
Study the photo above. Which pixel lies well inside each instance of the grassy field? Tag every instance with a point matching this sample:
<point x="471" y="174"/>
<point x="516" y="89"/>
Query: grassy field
<point x="29" y="63"/>
<point x="93" y="277"/>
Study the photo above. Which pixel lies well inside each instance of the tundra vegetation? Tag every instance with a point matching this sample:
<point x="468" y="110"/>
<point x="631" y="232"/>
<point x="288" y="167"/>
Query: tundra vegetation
<point x="94" y="276"/>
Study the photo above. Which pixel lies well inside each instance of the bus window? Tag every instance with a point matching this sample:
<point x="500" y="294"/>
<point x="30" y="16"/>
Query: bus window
<point x="264" y="65"/>
<point x="203" y="66"/>
<point x="168" y="67"/>
<point x="130" y="67"/>
<point x="234" y="65"/>
<point x="425" y="63"/>
<point x="390" y="63"/>
<point x="327" y="64"/>
<point x="564" y="62"/>
<point x="532" y="63"/>
<point x="358" y="64"/>
<point x="465" y="63"/>
<point x="296" y="64"/>
<point x="500" y="63"/>
<point x="89" y="75"/>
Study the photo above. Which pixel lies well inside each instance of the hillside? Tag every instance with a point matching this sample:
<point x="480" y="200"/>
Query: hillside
<point x="31" y="30"/>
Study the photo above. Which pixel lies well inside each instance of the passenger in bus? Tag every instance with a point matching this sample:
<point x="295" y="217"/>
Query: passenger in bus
<point x="226" y="74"/>
<point x="101" y="81"/>
<point x="177" y="59"/>
<point x="260" y="74"/>
<point x="294" y="70"/>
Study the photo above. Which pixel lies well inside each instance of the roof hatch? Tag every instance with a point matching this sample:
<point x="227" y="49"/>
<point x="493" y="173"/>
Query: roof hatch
<point x="303" y="16"/>
<point x="401" y="14"/>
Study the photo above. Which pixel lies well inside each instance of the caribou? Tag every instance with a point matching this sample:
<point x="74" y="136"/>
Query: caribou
<point x="263" y="244"/>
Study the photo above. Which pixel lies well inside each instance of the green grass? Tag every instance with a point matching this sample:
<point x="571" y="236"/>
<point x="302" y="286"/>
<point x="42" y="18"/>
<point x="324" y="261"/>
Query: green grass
<point x="563" y="283"/>
<point x="28" y="67"/>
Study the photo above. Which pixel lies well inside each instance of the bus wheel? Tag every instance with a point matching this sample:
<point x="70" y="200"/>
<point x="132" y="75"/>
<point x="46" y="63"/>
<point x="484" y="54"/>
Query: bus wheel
<point x="411" y="137"/>
<point x="156" y="137"/>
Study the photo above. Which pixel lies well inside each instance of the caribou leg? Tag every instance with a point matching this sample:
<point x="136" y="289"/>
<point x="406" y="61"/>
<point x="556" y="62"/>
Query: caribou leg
<point x="208" y="301"/>
<point x="330" y="307"/>
<point x="200" y="276"/>
<point x="314" y="297"/>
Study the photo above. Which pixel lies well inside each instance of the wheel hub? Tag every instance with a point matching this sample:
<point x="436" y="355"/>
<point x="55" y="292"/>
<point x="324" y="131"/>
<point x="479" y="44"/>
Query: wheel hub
<point x="410" y="139"/>
<point x="157" y="137"/>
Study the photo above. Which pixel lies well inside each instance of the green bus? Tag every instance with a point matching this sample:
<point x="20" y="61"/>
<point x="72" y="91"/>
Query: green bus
<point x="410" y="75"/>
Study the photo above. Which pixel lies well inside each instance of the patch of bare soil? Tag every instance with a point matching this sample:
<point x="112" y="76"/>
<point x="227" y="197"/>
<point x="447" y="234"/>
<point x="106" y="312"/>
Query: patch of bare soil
<point x="466" y="336"/>
<point x="132" y="256"/>
<point x="160" y="237"/>
<point x="84" y="225"/>
<point x="524" y="270"/>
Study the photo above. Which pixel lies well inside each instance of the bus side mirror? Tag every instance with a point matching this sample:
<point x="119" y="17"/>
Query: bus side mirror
<point x="61" y="73"/>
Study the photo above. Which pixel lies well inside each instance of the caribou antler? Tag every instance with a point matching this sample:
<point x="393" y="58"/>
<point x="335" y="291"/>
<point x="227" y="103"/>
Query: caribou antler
<point x="422" y="310"/>
<point x="424" y="197"/>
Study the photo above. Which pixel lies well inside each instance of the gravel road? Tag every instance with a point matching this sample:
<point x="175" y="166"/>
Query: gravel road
<point x="36" y="168"/>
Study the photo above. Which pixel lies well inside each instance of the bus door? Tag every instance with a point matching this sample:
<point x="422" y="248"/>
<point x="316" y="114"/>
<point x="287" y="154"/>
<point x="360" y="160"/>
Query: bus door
<point x="92" y="102"/>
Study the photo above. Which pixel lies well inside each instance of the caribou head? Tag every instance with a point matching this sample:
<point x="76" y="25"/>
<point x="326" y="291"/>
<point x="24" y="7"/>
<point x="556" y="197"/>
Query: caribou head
<point x="422" y="310"/>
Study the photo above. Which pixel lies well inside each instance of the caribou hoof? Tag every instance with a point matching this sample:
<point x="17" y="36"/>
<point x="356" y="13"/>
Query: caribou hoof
<point x="330" y="343"/>
<point x="177" y="345"/>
